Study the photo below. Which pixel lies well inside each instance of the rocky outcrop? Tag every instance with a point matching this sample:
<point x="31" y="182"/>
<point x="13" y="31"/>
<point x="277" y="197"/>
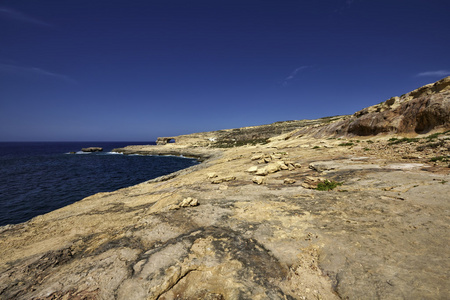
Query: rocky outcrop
<point x="418" y="112"/>
<point x="165" y="140"/>
<point x="92" y="149"/>
<point x="201" y="154"/>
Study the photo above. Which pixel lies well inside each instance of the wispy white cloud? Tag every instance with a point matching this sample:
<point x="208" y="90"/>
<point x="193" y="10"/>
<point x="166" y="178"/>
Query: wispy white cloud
<point x="33" y="71"/>
<point x="12" y="14"/>
<point x="293" y="74"/>
<point x="439" y="73"/>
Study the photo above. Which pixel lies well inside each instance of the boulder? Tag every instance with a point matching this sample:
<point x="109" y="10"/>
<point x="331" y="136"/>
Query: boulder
<point x="282" y="165"/>
<point x="257" y="156"/>
<point x="289" y="181"/>
<point x="252" y="169"/>
<point x="212" y="175"/>
<point x="276" y="156"/>
<point x="189" y="201"/>
<point x="262" y="171"/>
<point x="273" y="167"/>
<point x="258" y="179"/>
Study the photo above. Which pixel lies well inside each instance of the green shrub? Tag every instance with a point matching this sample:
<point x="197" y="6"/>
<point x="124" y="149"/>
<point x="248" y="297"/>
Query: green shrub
<point x="346" y="144"/>
<point x="328" y="185"/>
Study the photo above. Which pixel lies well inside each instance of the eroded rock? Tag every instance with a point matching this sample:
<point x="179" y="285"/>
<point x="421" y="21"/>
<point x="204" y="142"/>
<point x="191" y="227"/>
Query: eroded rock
<point x="189" y="201"/>
<point x="311" y="182"/>
<point x="252" y="169"/>
<point x="258" y="179"/>
<point x="289" y="181"/>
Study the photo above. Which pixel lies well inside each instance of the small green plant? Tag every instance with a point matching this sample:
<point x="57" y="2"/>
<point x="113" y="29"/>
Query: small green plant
<point x="346" y="144"/>
<point x="433" y="136"/>
<point x="440" y="158"/>
<point x="431" y="145"/>
<point x="316" y="147"/>
<point x="393" y="141"/>
<point x="366" y="149"/>
<point x="369" y="142"/>
<point x="328" y="185"/>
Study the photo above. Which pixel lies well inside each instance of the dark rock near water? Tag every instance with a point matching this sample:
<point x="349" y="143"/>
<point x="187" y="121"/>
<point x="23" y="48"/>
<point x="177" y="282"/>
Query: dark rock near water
<point x="92" y="149"/>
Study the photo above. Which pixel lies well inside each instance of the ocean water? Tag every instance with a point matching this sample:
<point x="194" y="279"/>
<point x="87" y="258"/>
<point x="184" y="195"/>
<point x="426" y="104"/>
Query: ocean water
<point x="38" y="177"/>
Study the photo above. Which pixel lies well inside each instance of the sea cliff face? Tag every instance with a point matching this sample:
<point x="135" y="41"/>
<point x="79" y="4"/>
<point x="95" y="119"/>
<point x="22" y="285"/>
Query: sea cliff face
<point x="313" y="212"/>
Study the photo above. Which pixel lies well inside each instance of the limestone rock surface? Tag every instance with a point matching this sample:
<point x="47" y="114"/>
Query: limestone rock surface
<point x="382" y="235"/>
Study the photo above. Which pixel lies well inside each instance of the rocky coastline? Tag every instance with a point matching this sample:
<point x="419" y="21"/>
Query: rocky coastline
<point x="319" y="211"/>
<point x="201" y="154"/>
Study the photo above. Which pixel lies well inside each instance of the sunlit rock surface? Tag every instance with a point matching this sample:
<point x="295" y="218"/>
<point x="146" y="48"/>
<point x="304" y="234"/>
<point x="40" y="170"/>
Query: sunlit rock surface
<point x="221" y="230"/>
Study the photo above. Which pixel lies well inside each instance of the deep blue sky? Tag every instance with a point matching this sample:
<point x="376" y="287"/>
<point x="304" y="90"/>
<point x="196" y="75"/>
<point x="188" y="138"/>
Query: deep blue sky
<point x="136" y="70"/>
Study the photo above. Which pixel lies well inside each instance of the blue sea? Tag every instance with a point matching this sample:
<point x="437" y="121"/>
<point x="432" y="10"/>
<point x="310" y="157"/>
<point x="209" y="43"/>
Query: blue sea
<point x="38" y="177"/>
